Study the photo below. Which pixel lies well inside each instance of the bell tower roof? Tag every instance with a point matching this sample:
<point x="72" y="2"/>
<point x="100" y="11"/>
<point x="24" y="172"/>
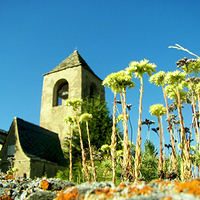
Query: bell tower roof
<point x="74" y="60"/>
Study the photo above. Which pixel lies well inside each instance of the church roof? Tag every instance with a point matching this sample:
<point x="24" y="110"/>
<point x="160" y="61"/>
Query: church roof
<point x="39" y="143"/>
<point x="74" y="60"/>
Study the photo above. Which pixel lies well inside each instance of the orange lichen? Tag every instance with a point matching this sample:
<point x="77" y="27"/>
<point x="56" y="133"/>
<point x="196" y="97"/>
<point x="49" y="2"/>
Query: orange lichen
<point x="157" y="181"/>
<point x="44" y="184"/>
<point x="134" y="190"/>
<point x="164" y="184"/>
<point x="122" y="185"/>
<point x="9" y="177"/>
<point x="192" y="187"/>
<point x="73" y="194"/>
<point x="67" y="187"/>
<point x="115" y="190"/>
<point x="167" y="198"/>
<point x="105" y="191"/>
<point x="102" y="190"/>
<point x="144" y="190"/>
<point x="6" y="197"/>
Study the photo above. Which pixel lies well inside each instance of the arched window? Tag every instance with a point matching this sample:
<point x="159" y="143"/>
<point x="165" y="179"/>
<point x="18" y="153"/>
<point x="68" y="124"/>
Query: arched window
<point x="61" y="92"/>
<point x="93" y="90"/>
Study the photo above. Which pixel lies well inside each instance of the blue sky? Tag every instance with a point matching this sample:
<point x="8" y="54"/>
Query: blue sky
<point x="35" y="36"/>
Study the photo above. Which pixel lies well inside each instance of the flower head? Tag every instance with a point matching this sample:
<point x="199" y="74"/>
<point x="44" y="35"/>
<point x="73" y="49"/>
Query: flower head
<point x="70" y="119"/>
<point x="158" y="78"/>
<point x="119" y="81"/>
<point x="74" y="103"/>
<point x="139" y="68"/>
<point x="175" y="78"/>
<point x="85" y="117"/>
<point x="158" y="110"/>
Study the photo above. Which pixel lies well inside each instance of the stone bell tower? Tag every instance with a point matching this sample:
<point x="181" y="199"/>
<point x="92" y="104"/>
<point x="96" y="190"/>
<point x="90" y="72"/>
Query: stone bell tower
<point x="72" y="78"/>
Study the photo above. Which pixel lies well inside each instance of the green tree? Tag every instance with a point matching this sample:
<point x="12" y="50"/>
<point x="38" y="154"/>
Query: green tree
<point x="101" y="123"/>
<point x="138" y="69"/>
<point x="149" y="163"/>
<point x="100" y="133"/>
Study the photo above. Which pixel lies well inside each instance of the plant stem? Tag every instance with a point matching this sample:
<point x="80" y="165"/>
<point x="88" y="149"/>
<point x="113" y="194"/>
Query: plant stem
<point x="91" y="156"/>
<point x="186" y="172"/>
<point x="139" y="140"/>
<point x="174" y="159"/>
<point x="87" y="175"/>
<point x="114" y="141"/>
<point x="163" y="137"/>
<point x="70" y="156"/>
<point x="160" y="165"/>
<point x="127" y="165"/>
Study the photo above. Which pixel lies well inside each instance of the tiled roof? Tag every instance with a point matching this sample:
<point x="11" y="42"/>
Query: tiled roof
<point x="73" y="60"/>
<point x="38" y="142"/>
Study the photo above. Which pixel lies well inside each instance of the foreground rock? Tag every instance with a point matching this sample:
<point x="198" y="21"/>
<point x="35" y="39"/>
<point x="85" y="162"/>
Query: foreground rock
<point x="21" y="188"/>
<point x="52" y="188"/>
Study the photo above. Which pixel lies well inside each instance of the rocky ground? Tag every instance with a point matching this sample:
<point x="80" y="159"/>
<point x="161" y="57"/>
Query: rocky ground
<point x="52" y="188"/>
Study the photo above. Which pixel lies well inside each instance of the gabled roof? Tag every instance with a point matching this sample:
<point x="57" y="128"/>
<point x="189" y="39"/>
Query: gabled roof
<point x="74" y="60"/>
<point x="37" y="142"/>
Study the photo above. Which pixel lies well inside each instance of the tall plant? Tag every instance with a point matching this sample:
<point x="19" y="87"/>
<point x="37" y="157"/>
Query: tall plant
<point x="71" y="121"/>
<point x="86" y="117"/>
<point x="76" y="104"/>
<point x="174" y="90"/>
<point x="138" y="69"/>
<point x="110" y="82"/>
<point x="191" y="66"/>
<point x="197" y="90"/>
<point x="159" y="80"/>
<point x="159" y="110"/>
<point x="118" y="82"/>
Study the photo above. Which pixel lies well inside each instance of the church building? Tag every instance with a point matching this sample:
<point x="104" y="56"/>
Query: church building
<point x="72" y="78"/>
<point x="37" y="150"/>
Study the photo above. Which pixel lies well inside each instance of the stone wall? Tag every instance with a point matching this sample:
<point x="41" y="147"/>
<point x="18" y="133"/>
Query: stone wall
<point x="51" y="117"/>
<point x="41" y="168"/>
<point x="79" y="80"/>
